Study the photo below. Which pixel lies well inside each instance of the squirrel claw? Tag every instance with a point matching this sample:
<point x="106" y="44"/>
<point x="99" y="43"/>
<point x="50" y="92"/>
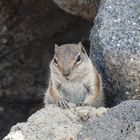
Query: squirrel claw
<point x="81" y="104"/>
<point x="63" y="104"/>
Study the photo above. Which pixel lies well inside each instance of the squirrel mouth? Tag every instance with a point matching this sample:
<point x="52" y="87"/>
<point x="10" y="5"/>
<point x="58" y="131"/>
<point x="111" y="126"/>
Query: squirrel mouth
<point x="67" y="78"/>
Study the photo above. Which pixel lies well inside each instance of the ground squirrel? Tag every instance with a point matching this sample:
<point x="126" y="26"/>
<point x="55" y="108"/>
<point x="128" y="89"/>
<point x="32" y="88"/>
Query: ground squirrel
<point x="73" y="78"/>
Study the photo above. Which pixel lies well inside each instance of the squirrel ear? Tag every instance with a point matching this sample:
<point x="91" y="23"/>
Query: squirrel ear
<point x="80" y="43"/>
<point x="82" y="47"/>
<point x="56" y="47"/>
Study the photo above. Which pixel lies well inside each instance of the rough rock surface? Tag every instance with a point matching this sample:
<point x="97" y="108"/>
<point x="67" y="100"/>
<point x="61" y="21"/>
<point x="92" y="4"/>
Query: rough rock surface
<point x="119" y="123"/>
<point x="115" y="46"/>
<point x="84" y="8"/>
<point x="54" y="123"/>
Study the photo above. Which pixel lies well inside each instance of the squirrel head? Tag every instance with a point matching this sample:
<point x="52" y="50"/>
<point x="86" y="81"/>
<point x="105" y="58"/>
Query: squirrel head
<point x="69" y="60"/>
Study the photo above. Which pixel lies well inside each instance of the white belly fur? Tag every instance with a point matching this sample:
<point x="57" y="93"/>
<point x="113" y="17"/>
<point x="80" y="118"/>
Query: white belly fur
<point x="75" y="92"/>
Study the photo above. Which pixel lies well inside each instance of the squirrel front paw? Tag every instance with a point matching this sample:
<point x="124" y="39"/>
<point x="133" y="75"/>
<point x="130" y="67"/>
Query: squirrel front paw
<point x="63" y="103"/>
<point x="81" y="104"/>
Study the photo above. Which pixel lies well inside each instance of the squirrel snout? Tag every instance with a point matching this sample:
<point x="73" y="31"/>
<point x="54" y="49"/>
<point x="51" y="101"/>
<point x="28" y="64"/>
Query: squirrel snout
<point x="66" y="72"/>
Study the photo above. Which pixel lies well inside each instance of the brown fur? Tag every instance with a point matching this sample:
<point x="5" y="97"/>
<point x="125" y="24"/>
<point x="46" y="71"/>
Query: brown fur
<point x="52" y="91"/>
<point x="97" y="85"/>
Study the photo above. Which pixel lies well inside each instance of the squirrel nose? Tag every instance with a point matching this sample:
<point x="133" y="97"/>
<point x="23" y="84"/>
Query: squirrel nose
<point x="66" y="72"/>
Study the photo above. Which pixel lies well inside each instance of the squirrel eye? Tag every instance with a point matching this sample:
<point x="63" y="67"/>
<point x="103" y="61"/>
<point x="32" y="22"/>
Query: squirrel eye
<point x="55" y="61"/>
<point x="78" y="58"/>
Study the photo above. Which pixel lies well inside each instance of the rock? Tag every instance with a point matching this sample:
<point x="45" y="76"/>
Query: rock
<point x="119" y="123"/>
<point x="11" y="114"/>
<point x="87" y="112"/>
<point x="15" y="135"/>
<point x="115" y="47"/>
<point x="1" y="109"/>
<point x="81" y="123"/>
<point x="53" y="123"/>
<point x="84" y="8"/>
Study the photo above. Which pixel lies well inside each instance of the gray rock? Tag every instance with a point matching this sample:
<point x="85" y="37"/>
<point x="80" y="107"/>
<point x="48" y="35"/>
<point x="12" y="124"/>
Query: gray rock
<point x="84" y="8"/>
<point x="115" y="47"/>
<point x="54" y="123"/>
<point x="119" y="123"/>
